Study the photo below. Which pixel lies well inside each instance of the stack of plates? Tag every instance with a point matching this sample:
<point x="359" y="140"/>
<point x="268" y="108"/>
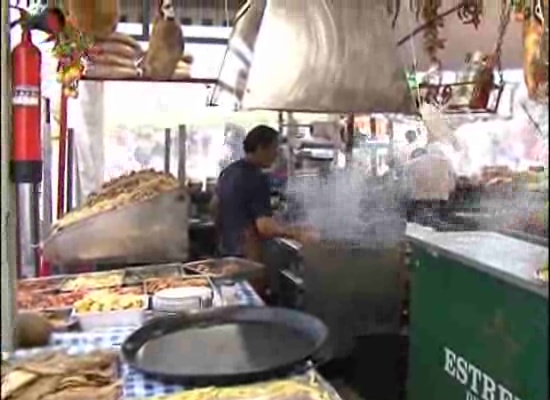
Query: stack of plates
<point x="182" y="299"/>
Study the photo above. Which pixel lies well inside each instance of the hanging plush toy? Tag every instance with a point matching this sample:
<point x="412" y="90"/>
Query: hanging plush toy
<point x="97" y="18"/>
<point x="165" y="46"/>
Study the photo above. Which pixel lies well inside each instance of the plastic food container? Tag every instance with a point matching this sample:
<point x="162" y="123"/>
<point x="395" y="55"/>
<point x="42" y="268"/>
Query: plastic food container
<point x="183" y="299"/>
<point x="92" y="321"/>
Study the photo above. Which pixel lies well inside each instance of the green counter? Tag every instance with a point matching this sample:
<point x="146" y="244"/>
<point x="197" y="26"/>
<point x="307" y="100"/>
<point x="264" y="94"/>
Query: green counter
<point x="478" y="318"/>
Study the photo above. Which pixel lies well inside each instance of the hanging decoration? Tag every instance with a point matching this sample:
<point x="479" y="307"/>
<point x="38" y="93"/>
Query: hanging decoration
<point x="518" y="9"/>
<point x="535" y="50"/>
<point x="72" y="49"/>
<point x="476" y="90"/>
<point x="70" y="46"/>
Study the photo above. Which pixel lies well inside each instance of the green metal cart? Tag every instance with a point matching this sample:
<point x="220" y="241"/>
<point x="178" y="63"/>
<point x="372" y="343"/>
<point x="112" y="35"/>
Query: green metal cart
<point x="478" y="317"/>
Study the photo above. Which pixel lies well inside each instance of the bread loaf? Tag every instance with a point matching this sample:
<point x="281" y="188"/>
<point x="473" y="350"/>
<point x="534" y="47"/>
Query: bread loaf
<point x="187" y="58"/>
<point x="112" y="59"/>
<point x="118" y="48"/>
<point x="181" y="74"/>
<point x="110" y="72"/>
<point x="124" y="39"/>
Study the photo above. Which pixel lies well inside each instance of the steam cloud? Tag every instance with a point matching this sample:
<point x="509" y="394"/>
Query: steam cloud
<point x="349" y="207"/>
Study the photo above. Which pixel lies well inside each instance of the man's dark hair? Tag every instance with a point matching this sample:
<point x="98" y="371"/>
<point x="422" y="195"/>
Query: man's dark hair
<point x="261" y="136"/>
<point x="410" y="136"/>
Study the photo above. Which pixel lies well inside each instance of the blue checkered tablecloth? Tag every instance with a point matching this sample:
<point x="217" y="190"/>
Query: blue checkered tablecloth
<point x="136" y="385"/>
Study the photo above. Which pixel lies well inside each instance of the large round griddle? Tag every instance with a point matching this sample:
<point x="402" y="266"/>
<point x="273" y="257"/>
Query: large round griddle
<point x="229" y="345"/>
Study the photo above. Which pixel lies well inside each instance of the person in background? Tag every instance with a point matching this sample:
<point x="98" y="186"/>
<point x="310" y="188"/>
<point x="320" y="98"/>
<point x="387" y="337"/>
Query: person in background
<point x="430" y="180"/>
<point x="241" y="206"/>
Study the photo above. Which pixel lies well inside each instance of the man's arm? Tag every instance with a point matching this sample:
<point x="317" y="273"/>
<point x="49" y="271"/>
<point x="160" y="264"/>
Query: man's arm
<point x="270" y="228"/>
<point x="267" y="226"/>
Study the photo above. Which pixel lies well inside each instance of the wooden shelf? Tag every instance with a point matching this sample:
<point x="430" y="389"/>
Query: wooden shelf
<point x="197" y="81"/>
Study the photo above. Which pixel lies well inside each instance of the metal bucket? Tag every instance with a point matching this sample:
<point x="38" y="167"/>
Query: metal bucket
<point x="155" y="230"/>
<point x="355" y="291"/>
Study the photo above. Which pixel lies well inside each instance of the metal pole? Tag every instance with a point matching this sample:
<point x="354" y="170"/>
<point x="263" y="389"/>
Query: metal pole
<point x="28" y="228"/>
<point x="182" y="150"/>
<point x="167" y="149"/>
<point x="8" y="234"/>
<point x="62" y="155"/>
<point x="47" y="199"/>
<point x="69" y="171"/>
<point x="349" y="136"/>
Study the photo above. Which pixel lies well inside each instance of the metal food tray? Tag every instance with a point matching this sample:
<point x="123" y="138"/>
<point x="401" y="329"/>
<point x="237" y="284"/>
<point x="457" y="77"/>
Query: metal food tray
<point x="246" y="268"/>
<point x="92" y="275"/>
<point x="138" y="275"/>
<point x="150" y="231"/>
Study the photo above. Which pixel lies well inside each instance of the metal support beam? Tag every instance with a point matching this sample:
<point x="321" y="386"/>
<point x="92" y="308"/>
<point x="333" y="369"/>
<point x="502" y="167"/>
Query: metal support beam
<point x="7" y="236"/>
<point x="182" y="153"/>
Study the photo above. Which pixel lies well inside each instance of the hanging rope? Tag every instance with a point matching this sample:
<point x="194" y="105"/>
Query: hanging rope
<point x="432" y="41"/>
<point x="394" y="9"/>
<point x="415" y="61"/>
<point x="505" y="15"/>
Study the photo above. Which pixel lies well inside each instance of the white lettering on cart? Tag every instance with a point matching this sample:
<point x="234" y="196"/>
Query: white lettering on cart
<point x="479" y="385"/>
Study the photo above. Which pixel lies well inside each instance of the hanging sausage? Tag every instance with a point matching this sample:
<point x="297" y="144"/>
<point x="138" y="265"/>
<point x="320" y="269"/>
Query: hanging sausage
<point x="166" y="44"/>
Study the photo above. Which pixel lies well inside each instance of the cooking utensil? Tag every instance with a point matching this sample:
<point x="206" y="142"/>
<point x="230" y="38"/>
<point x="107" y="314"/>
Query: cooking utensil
<point x="227" y="268"/>
<point x="226" y="345"/>
<point x="137" y="275"/>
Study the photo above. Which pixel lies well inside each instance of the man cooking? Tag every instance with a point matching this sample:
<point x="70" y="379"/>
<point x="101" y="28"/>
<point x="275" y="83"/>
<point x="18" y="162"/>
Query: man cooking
<point x="430" y="179"/>
<point x="242" y="203"/>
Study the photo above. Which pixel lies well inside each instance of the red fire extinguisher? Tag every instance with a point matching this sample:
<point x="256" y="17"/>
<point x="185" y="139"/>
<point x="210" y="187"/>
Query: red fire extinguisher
<point x="26" y="162"/>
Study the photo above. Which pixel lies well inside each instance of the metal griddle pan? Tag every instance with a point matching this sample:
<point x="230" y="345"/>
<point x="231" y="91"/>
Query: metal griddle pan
<point x="226" y="346"/>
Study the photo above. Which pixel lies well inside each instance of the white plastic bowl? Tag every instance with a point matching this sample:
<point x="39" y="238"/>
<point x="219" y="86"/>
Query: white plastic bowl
<point x="182" y="299"/>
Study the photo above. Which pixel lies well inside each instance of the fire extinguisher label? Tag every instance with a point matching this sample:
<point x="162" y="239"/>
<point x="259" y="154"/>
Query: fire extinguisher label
<point x="25" y="95"/>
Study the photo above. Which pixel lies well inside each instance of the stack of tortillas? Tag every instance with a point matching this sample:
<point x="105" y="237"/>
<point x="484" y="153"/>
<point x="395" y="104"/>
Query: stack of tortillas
<point x="117" y="58"/>
<point x="183" y="69"/>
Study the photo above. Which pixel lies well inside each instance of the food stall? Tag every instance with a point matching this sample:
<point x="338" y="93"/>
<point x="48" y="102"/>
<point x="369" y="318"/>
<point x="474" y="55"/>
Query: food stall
<point x="110" y="307"/>
<point x="68" y="329"/>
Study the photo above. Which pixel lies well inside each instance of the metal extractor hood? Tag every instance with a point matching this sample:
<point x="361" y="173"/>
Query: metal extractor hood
<point x="323" y="56"/>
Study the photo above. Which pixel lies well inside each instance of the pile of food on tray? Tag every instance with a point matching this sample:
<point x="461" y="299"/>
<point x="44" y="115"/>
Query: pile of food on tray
<point x="138" y="275"/>
<point x="106" y="301"/>
<point x="155" y="285"/>
<point x="135" y="187"/>
<point x="91" y="282"/>
<point x="59" y="376"/>
<point x="29" y="300"/>
<point x="94" y="300"/>
<point x="311" y="388"/>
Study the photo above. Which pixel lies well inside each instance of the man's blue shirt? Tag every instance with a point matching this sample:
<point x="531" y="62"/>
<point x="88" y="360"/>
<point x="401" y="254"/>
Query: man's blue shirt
<point x="243" y="193"/>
